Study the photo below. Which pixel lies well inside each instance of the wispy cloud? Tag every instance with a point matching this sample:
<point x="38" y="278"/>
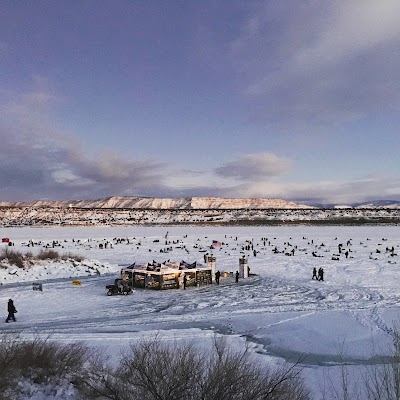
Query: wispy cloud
<point x="323" y="192"/>
<point x="355" y="27"/>
<point x="341" y="192"/>
<point x="259" y="175"/>
<point x="320" y="62"/>
<point x="254" y="167"/>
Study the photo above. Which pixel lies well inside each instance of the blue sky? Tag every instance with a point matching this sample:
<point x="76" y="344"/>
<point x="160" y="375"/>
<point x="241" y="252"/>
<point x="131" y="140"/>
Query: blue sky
<point x="297" y="100"/>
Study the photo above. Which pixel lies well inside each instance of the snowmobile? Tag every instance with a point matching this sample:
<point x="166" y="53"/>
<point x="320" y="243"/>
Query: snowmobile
<point x="119" y="287"/>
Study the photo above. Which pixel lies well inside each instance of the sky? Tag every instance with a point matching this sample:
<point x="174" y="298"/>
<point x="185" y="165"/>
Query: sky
<point x="297" y="100"/>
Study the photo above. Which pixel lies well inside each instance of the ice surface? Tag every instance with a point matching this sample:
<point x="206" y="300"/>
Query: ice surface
<point x="280" y="312"/>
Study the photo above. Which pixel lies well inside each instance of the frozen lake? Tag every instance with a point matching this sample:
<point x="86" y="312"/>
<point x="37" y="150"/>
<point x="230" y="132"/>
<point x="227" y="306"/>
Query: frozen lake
<point x="280" y="312"/>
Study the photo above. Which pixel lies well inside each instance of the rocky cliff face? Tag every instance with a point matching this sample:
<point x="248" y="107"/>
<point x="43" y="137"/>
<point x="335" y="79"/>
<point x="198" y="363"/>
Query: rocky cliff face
<point x="196" y="203"/>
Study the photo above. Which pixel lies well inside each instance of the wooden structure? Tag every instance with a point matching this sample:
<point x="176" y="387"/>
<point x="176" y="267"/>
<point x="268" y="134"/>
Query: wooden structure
<point x="166" y="275"/>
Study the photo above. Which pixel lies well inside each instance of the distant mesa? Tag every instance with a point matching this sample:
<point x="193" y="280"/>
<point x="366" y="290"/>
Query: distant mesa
<point x="128" y="211"/>
<point x="180" y="203"/>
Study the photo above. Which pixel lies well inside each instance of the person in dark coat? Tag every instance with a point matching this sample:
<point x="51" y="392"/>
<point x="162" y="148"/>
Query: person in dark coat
<point x="217" y="276"/>
<point x="314" y="273"/>
<point x="184" y="281"/>
<point x="11" y="311"/>
<point x="237" y="276"/>
<point x="321" y="274"/>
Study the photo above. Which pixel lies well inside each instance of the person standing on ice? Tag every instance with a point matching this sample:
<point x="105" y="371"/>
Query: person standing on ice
<point x="184" y="281"/>
<point x="11" y="311"/>
<point x="237" y="276"/>
<point x="314" y="273"/>
<point x="181" y="280"/>
<point x="321" y="274"/>
<point x="217" y="276"/>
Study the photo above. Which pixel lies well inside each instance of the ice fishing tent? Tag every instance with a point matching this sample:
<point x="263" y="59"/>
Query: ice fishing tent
<point x="166" y="275"/>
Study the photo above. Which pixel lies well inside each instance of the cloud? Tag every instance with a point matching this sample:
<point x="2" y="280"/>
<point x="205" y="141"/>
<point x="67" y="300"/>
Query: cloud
<point x="319" y="62"/>
<point x="254" y="167"/>
<point x="324" y="192"/>
<point x="355" y="28"/>
<point x="235" y="178"/>
<point x="37" y="161"/>
<point x="358" y="190"/>
<point x="318" y="192"/>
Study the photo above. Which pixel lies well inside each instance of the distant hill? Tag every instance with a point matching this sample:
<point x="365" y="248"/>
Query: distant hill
<point x="366" y="204"/>
<point x="378" y="204"/>
<point x="182" y="203"/>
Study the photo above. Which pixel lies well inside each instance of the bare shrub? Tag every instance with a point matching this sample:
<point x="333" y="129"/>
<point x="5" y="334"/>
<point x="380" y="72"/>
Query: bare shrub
<point x="8" y="372"/>
<point x="13" y="257"/>
<point x="72" y="256"/>
<point x="153" y="370"/>
<point x="101" y="380"/>
<point x="39" y="361"/>
<point x="232" y="375"/>
<point x="346" y="385"/>
<point x="54" y="255"/>
<point x="19" y="259"/>
<point x="382" y="380"/>
<point x="48" y="255"/>
<point x="150" y="370"/>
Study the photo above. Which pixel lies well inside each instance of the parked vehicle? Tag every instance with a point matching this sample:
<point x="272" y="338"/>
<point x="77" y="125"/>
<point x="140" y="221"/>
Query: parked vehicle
<point x="37" y="286"/>
<point x="119" y="287"/>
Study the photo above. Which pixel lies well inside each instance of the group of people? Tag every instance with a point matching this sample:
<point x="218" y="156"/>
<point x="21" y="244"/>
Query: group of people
<point x="218" y="275"/>
<point x="318" y="275"/>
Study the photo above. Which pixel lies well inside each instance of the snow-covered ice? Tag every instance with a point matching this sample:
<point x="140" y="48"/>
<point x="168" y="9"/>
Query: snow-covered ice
<point x="280" y="311"/>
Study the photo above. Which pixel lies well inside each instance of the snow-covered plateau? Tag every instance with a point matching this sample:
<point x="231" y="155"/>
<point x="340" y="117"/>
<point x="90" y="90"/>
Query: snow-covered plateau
<point x="133" y="202"/>
<point x="279" y="311"/>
